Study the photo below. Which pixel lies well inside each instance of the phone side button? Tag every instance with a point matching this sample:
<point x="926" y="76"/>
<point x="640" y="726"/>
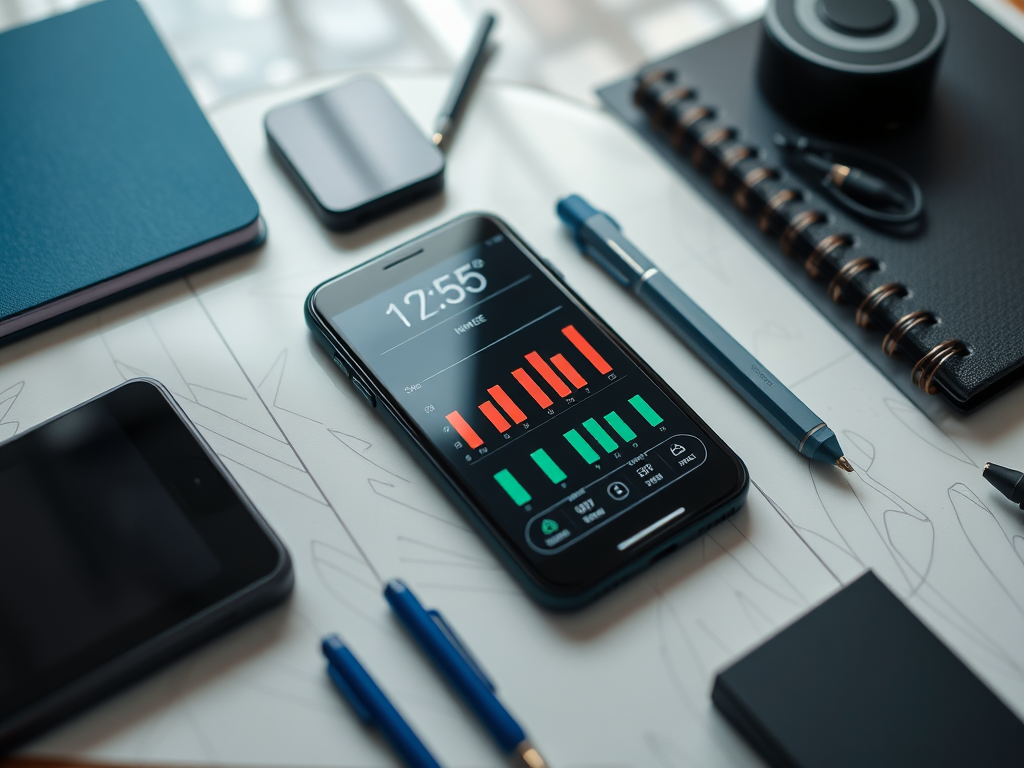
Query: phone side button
<point x="338" y="362"/>
<point x="553" y="268"/>
<point x="364" y="392"/>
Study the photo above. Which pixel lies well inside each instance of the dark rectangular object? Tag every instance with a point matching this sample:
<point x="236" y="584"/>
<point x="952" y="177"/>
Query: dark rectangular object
<point x="354" y="153"/>
<point x="610" y="514"/>
<point x="124" y="543"/>
<point x="860" y="681"/>
<point x="966" y="152"/>
<point x="112" y="176"/>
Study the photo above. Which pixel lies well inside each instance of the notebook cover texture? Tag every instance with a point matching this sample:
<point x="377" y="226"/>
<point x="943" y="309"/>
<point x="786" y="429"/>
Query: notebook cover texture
<point x="967" y="153"/>
<point x="108" y="164"/>
<point x="860" y="681"/>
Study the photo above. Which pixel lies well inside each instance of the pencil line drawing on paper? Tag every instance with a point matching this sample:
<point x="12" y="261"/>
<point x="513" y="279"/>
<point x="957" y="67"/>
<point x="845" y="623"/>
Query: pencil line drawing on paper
<point x="380" y="487"/>
<point x="985" y="535"/>
<point x="361" y="448"/>
<point x="879" y="527"/>
<point x="806" y="535"/>
<point x="923" y="427"/>
<point x="443" y="556"/>
<point x="269" y="387"/>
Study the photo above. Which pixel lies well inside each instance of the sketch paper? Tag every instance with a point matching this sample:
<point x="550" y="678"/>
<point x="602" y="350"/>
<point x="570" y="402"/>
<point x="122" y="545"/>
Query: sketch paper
<point x="624" y="683"/>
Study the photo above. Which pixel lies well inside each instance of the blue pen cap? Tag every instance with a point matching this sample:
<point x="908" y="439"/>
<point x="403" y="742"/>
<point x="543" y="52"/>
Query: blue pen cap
<point x="449" y="656"/>
<point x="573" y="211"/>
<point x="336" y="652"/>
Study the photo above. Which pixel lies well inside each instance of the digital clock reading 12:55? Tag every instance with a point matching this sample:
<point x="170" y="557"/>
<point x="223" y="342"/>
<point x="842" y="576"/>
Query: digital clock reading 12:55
<point x="468" y="280"/>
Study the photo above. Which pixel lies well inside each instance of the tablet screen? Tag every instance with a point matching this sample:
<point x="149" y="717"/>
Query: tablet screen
<point x="109" y="535"/>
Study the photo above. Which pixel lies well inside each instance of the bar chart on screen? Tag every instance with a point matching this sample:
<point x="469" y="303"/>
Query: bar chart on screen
<point x="590" y="441"/>
<point x="533" y="388"/>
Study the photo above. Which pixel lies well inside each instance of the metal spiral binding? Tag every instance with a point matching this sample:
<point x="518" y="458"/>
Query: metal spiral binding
<point x="767" y="216"/>
<point x="667" y="98"/>
<point x="824" y="247"/>
<point x="924" y="370"/>
<point x="659" y="104"/>
<point x="648" y="80"/>
<point x="642" y="91"/>
<point x="733" y="155"/>
<point x="874" y="299"/>
<point x="666" y="111"/>
<point x="796" y="225"/>
<point x="749" y="182"/>
<point x="685" y="122"/>
<point x="708" y="140"/>
<point x="903" y="326"/>
<point x="846" y="273"/>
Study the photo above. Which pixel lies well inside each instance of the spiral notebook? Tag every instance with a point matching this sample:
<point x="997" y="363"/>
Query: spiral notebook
<point x="940" y="311"/>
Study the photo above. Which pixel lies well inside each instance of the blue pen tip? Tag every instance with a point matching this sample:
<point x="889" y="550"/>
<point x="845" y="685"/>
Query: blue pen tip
<point x="331" y="643"/>
<point x="573" y="211"/>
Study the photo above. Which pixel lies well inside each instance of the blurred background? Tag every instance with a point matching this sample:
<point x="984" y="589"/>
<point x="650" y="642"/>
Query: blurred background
<point x="228" y="47"/>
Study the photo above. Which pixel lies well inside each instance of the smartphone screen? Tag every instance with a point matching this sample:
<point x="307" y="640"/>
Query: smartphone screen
<point x="564" y="439"/>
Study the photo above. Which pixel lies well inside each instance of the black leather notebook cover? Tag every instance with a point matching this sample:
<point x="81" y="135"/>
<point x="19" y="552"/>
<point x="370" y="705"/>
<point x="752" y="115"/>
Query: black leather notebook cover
<point x="967" y="153"/>
<point x="860" y="681"/>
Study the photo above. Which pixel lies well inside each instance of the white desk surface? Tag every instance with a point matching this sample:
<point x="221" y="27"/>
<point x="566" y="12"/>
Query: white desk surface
<point x="625" y="682"/>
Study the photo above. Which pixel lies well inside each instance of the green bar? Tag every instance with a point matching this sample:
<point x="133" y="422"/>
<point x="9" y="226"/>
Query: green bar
<point x="512" y="487"/>
<point x="545" y="462"/>
<point x="582" y="447"/>
<point x="602" y="437"/>
<point x="620" y="427"/>
<point x="646" y="411"/>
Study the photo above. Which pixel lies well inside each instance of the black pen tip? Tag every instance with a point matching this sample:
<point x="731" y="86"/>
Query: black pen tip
<point x="1006" y="481"/>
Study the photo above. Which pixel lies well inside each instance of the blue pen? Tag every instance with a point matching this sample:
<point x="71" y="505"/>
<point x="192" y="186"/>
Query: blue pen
<point x="598" y="236"/>
<point x="372" y="706"/>
<point x="449" y="655"/>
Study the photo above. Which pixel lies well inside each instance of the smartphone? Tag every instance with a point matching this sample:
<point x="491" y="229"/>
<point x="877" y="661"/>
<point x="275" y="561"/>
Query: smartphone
<point x="568" y="453"/>
<point x="123" y="544"/>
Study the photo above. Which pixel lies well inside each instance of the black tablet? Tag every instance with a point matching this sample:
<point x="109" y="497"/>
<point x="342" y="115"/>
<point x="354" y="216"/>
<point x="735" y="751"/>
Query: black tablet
<point x="123" y="543"/>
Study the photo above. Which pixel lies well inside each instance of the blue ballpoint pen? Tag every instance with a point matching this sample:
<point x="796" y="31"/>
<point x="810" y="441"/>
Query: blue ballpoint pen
<point x="449" y="655"/>
<point x="599" y="237"/>
<point x="372" y="706"/>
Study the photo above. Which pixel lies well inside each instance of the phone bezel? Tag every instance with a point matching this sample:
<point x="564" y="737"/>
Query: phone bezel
<point x="342" y="292"/>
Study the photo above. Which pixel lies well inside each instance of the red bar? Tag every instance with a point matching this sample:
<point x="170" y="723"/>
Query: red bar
<point x="487" y="409"/>
<point x="549" y="376"/>
<point x="465" y="431"/>
<point x="507" y="405"/>
<point x="531" y="386"/>
<point x="565" y="368"/>
<point x="588" y="351"/>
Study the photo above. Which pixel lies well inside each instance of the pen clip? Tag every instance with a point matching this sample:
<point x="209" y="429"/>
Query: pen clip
<point x="349" y="694"/>
<point x="449" y="633"/>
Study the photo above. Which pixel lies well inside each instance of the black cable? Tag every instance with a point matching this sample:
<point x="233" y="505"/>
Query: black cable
<point x="865" y="184"/>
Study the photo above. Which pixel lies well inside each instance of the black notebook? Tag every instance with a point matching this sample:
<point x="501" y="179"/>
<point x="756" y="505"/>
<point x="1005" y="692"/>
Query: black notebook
<point x="860" y="681"/>
<point x="960" y="273"/>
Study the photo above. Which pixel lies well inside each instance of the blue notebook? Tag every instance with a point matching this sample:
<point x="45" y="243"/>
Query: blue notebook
<point x="111" y="176"/>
